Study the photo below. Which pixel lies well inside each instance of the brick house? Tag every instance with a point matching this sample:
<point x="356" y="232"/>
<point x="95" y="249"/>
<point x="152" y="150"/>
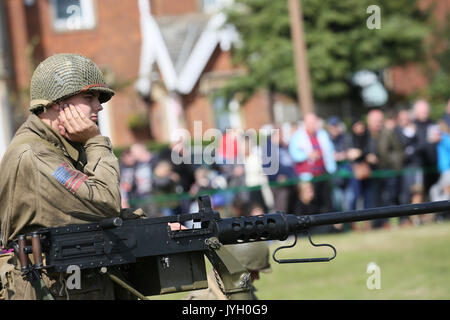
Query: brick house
<point x="164" y="58"/>
<point x="106" y="31"/>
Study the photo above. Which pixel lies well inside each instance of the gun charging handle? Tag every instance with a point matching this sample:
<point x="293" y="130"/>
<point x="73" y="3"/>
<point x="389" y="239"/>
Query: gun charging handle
<point x="111" y="223"/>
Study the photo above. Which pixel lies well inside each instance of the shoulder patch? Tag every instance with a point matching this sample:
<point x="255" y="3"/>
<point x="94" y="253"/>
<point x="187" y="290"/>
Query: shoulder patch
<point x="71" y="179"/>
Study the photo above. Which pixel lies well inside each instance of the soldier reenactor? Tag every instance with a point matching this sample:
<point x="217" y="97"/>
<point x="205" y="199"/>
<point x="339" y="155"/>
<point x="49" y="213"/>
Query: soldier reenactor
<point x="59" y="169"/>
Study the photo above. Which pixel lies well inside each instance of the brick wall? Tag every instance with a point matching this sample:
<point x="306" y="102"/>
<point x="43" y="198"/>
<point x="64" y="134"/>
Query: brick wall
<point x="170" y="8"/>
<point x="256" y="111"/>
<point x="114" y="44"/>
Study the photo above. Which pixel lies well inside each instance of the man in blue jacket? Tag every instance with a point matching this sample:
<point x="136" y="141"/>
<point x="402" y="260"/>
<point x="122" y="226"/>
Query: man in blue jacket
<point x="313" y="153"/>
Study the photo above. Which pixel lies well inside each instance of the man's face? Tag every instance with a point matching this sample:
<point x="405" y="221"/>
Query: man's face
<point x="375" y="121"/>
<point x="422" y="110"/>
<point x="359" y="128"/>
<point x="334" y="130"/>
<point x="88" y="103"/>
<point x="403" y="118"/>
<point x="311" y="122"/>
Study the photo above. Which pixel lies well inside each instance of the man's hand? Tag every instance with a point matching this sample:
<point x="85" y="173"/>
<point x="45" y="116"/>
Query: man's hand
<point x="75" y="126"/>
<point x="354" y="153"/>
<point x="372" y="158"/>
<point x="314" y="155"/>
<point x="174" y="226"/>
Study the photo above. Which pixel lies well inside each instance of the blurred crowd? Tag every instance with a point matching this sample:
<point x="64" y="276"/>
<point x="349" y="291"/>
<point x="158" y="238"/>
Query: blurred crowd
<point x="379" y="159"/>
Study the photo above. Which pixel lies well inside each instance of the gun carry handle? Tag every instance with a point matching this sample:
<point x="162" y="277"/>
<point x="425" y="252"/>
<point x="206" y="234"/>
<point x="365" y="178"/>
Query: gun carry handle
<point x="304" y="260"/>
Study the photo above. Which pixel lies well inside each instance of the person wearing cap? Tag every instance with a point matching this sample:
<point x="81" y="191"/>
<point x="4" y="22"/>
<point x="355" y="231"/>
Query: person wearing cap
<point x="313" y="153"/>
<point x="341" y="141"/>
<point x="59" y="169"/>
<point x="254" y="256"/>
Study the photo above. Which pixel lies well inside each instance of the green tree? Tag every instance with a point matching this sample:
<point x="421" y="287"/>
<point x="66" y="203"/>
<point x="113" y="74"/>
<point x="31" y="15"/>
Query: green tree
<point x="338" y="41"/>
<point x="439" y="89"/>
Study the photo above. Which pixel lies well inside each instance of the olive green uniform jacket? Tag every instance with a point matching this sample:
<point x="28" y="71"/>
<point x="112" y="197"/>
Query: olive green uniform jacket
<point x="390" y="151"/>
<point x="47" y="181"/>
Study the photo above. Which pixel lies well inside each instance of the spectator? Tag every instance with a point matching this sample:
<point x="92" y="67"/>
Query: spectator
<point x="185" y="169"/>
<point x="391" y="157"/>
<point x="281" y="194"/>
<point x="341" y="142"/>
<point x="141" y="193"/>
<point x="228" y="151"/>
<point x="427" y="139"/>
<point x="417" y="196"/>
<point x="386" y="154"/>
<point x="165" y="181"/>
<point x="441" y="191"/>
<point x="443" y="149"/>
<point x="127" y="162"/>
<point x="236" y="180"/>
<point x="254" y="175"/>
<point x="313" y="152"/>
<point x="357" y="152"/>
<point x="238" y="207"/>
<point x="201" y="182"/>
<point x="256" y="209"/>
<point x="307" y="203"/>
<point x="407" y="133"/>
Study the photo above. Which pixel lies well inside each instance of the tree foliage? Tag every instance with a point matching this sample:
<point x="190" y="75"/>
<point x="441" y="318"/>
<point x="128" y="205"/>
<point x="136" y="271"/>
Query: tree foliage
<point x="439" y="89"/>
<point x="338" y="42"/>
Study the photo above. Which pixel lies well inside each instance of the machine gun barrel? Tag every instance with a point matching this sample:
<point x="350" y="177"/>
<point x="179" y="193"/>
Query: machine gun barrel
<point x="170" y="260"/>
<point x="378" y="213"/>
<point x="278" y="226"/>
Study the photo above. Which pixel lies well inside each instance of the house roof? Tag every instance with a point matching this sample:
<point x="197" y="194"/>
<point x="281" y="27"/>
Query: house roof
<point x="180" y="34"/>
<point x="180" y="46"/>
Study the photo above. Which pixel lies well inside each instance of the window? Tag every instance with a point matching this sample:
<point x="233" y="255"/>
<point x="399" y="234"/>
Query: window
<point x="72" y="14"/>
<point x="212" y="6"/>
<point x="285" y="112"/>
<point x="227" y="114"/>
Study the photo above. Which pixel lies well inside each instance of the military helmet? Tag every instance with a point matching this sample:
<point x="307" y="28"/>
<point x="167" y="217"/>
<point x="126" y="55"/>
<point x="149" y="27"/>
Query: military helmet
<point x="64" y="75"/>
<point x="252" y="255"/>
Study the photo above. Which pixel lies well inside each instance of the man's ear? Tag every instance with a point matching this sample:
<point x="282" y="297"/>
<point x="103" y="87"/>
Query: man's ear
<point x="54" y="107"/>
<point x="49" y="112"/>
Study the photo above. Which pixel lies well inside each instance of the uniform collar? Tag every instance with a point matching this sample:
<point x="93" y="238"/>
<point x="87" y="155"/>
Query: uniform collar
<point x="35" y="124"/>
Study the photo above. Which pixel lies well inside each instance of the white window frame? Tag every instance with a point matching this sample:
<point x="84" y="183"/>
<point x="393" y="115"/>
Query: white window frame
<point x="214" y="6"/>
<point x="85" y="21"/>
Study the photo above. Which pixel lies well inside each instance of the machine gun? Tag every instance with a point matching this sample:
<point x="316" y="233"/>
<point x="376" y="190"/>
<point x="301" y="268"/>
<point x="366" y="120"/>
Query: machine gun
<point x="161" y="260"/>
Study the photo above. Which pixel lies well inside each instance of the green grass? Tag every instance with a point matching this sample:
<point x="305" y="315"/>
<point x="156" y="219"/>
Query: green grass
<point x="414" y="264"/>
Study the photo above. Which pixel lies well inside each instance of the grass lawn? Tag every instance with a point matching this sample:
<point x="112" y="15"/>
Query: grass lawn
<point x="414" y="263"/>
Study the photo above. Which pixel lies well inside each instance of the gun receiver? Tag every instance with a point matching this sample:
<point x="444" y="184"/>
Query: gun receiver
<point x="177" y="256"/>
